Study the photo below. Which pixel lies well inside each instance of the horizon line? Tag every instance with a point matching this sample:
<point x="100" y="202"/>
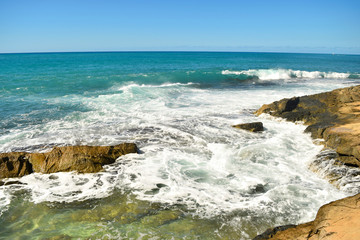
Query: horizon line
<point x="174" y="51"/>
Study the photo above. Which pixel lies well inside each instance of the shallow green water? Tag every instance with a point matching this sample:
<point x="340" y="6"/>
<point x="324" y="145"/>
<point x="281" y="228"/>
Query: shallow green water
<point x="122" y="216"/>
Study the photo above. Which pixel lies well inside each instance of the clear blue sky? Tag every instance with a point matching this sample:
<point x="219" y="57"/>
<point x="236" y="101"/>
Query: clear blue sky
<point x="226" y="25"/>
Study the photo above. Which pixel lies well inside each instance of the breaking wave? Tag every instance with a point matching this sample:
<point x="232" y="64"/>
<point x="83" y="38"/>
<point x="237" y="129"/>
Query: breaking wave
<point x="284" y="74"/>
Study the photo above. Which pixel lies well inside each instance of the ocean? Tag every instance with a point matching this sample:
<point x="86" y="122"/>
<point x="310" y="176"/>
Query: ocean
<point x="195" y="176"/>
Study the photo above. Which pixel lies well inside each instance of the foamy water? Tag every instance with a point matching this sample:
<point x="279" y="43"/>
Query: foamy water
<point x="286" y="74"/>
<point x="191" y="154"/>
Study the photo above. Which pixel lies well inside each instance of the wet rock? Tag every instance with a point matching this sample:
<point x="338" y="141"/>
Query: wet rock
<point x="336" y="220"/>
<point x="252" y="127"/>
<point x="83" y="159"/>
<point x="160" y="185"/>
<point x="258" y="188"/>
<point x="14" y="164"/>
<point x="316" y="130"/>
<point x="3" y="183"/>
<point x="269" y="233"/>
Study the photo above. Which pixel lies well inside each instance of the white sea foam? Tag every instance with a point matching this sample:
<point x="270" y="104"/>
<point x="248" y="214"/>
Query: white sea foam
<point x="5" y="199"/>
<point x="219" y="177"/>
<point x="347" y="179"/>
<point x="191" y="155"/>
<point x="286" y="74"/>
<point x="132" y="85"/>
<point x="68" y="187"/>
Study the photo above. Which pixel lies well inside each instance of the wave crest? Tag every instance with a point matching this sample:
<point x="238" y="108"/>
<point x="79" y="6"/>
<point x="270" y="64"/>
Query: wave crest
<point x="164" y="85"/>
<point x="275" y="74"/>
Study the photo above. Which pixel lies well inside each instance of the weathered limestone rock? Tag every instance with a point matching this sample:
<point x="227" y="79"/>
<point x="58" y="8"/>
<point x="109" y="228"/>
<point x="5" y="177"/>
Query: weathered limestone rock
<point x="333" y="116"/>
<point x="252" y="127"/>
<point x="14" y="164"/>
<point x="83" y="159"/>
<point x="337" y="220"/>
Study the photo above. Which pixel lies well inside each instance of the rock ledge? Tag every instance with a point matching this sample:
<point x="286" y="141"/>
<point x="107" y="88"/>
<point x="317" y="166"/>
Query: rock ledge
<point x="83" y="159"/>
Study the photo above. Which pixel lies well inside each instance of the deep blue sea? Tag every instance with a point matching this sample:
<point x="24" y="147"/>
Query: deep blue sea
<point x="196" y="177"/>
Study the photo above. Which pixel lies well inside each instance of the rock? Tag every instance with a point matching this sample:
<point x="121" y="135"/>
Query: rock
<point x="83" y="159"/>
<point x="336" y="220"/>
<point x="333" y="116"/>
<point x="258" y="188"/>
<point x="14" y="164"/>
<point x="3" y="183"/>
<point x="252" y="127"/>
<point x="272" y="231"/>
<point x="162" y="217"/>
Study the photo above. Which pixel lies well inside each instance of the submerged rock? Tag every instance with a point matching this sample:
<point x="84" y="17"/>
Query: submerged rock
<point x="59" y="237"/>
<point x="336" y="220"/>
<point x="162" y="217"/>
<point x="83" y="159"/>
<point x="252" y="127"/>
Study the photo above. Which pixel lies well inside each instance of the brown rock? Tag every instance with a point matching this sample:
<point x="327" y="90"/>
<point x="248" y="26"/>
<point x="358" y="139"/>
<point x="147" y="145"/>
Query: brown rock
<point x="83" y="159"/>
<point x="14" y="164"/>
<point x="252" y="127"/>
<point x="337" y="220"/>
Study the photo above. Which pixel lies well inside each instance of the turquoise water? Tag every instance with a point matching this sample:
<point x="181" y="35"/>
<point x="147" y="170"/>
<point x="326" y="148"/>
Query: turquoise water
<point x="30" y="81"/>
<point x="194" y="171"/>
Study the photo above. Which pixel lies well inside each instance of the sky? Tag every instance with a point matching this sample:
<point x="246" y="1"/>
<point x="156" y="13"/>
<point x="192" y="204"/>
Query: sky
<point x="315" y="26"/>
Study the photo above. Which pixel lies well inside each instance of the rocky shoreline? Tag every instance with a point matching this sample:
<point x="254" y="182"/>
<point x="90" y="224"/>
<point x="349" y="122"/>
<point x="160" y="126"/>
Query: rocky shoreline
<point x="334" y="117"/>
